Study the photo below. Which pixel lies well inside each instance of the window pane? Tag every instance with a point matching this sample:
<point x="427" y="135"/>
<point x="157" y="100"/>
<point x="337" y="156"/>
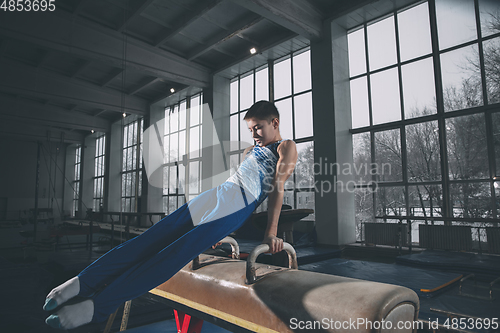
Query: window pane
<point x="246" y="92"/>
<point x="422" y="146"/>
<point x="125" y="136"/>
<point x="233" y="96"/>
<point x="174" y="120"/>
<point x="425" y="200"/>
<point x="282" y="79"/>
<point x="489" y="12"/>
<point x="167" y="121"/>
<point x="172" y="183"/>
<point x="194" y="177"/>
<point x="287" y="199"/>
<point x="467" y="147"/>
<point x="456" y="23"/>
<point x="357" y="54"/>
<point x="390" y="201"/>
<point x="386" y="106"/>
<point x="172" y="203"/>
<point x="388" y="156"/>
<point x="414" y="32"/>
<point x="285" y="109"/>
<point x="233" y="132"/>
<point x="419" y="92"/>
<point x="361" y="158"/>
<point x="471" y="200"/>
<point x="166" y="177"/>
<point x="262" y="85"/>
<point x="363" y="201"/>
<point x="182" y="144"/>
<point x="305" y="200"/>
<point x="301" y="72"/>
<point x="182" y="116"/>
<point x="194" y="142"/>
<point x="381" y="43"/>
<point x="491" y="51"/>
<point x="245" y="134"/>
<point x="174" y="147"/>
<point x="359" y="103"/>
<point x="234" y="162"/>
<point x="303" y="116"/>
<point x="194" y="111"/>
<point x="304" y="173"/>
<point x="182" y="178"/>
<point x="496" y="140"/>
<point x="462" y="86"/>
<point x="166" y="147"/>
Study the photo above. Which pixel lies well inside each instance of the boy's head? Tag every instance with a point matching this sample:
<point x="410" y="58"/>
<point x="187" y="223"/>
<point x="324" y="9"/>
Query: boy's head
<point x="263" y="110"/>
<point x="263" y="121"/>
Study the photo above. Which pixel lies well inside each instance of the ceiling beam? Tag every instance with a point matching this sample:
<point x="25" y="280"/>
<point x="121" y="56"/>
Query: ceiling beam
<point x="138" y="11"/>
<point x="30" y="132"/>
<point x="25" y="111"/>
<point x="63" y="32"/>
<point x="225" y="35"/>
<point x="115" y="73"/>
<point x="298" y="16"/>
<point x="44" y="58"/>
<point x="79" y="6"/>
<point x="144" y="85"/>
<point x="21" y="79"/>
<point x="83" y="66"/>
<point x="186" y="20"/>
<point x="262" y="49"/>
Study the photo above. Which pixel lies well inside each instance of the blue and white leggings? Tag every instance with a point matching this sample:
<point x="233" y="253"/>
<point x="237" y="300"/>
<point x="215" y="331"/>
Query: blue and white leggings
<point x="146" y="261"/>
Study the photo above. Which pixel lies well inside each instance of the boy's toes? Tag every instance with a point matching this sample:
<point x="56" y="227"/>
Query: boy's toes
<point x="53" y="321"/>
<point x="50" y="304"/>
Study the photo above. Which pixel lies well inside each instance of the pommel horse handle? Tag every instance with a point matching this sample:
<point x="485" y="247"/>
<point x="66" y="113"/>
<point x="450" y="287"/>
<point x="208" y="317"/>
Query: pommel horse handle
<point x="262" y="248"/>
<point x="235" y="248"/>
<point x="235" y="251"/>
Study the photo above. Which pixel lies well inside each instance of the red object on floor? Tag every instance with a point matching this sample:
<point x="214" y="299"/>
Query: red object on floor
<point x="186" y="323"/>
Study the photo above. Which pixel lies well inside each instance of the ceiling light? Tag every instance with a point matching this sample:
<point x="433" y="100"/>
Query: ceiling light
<point x="253" y="50"/>
<point x="124" y="114"/>
<point x="92" y="131"/>
<point x="172" y="90"/>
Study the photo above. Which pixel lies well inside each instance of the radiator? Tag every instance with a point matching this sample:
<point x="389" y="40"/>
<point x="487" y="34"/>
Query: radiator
<point x="493" y="235"/>
<point x="386" y="233"/>
<point x="444" y="237"/>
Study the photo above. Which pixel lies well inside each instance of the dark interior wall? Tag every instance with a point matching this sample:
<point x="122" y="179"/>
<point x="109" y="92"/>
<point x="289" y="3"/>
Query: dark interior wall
<point x="18" y="177"/>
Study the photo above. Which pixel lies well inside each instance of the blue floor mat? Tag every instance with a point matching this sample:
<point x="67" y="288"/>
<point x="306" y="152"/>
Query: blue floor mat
<point x="457" y="261"/>
<point x="410" y="277"/>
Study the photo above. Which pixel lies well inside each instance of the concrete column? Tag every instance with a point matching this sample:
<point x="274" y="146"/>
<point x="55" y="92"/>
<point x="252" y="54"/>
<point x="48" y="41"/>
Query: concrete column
<point x="69" y="167"/>
<point x="87" y="176"/>
<point x="115" y="165"/>
<point x="154" y="198"/>
<point x="335" y="223"/>
<point x="215" y="136"/>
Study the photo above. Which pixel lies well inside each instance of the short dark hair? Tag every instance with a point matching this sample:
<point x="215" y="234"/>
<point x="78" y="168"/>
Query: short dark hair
<point x="263" y="110"/>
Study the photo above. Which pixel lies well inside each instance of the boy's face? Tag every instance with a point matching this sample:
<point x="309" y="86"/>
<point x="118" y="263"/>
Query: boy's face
<point x="262" y="131"/>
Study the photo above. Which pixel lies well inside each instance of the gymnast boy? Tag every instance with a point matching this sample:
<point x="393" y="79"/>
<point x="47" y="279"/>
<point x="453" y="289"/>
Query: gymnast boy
<point x="146" y="261"/>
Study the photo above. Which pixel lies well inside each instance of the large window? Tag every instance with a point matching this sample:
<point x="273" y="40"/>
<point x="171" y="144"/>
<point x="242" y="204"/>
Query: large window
<point x="76" y="182"/>
<point x="182" y="143"/>
<point x="100" y="144"/>
<point x="290" y="81"/>
<point x="425" y="89"/>
<point x="132" y="165"/>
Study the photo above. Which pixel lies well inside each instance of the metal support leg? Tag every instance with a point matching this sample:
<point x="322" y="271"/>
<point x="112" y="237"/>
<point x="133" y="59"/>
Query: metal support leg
<point x="186" y="323"/>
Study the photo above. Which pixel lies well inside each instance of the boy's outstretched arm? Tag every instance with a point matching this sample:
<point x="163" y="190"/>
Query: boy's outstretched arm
<point x="287" y="151"/>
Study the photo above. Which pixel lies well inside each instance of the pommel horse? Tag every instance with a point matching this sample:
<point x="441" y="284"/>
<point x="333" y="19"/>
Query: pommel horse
<point x="264" y="298"/>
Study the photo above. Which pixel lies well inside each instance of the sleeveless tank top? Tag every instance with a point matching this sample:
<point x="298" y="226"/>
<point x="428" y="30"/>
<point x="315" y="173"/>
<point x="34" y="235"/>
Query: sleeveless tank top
<point x="256" y="173"/>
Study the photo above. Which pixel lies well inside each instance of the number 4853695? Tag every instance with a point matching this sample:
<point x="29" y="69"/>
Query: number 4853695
<point x="28" y="5"/>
